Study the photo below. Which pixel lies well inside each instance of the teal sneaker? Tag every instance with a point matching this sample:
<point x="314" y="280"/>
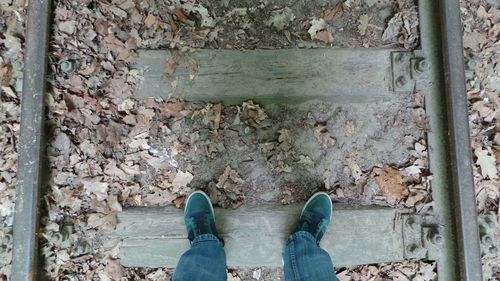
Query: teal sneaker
<point x="316" y="215"/>
<point x="199" y="215"/>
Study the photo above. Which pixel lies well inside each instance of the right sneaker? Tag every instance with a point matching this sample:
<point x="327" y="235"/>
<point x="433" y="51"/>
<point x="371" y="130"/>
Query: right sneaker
<point x="199" y="215"/>
<point x="316" y="215"/>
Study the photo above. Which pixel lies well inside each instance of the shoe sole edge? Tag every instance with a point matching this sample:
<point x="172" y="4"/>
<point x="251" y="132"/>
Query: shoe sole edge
<point x="313" y="197"/>
<point x="205" y="195"/>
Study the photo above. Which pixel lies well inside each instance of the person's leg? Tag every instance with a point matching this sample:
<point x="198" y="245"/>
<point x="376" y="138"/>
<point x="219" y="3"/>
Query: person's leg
<point x="303" y="259"/>
<point x="206" y="260"/>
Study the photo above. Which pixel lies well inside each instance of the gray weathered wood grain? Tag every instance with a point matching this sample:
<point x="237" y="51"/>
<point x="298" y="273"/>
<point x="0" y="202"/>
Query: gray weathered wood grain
<point x="255" y="235"/>
<point x="269" y="76"/>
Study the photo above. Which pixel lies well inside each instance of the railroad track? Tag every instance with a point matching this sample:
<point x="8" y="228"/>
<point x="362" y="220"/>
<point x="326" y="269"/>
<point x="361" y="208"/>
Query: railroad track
<point x="449" y="235"/>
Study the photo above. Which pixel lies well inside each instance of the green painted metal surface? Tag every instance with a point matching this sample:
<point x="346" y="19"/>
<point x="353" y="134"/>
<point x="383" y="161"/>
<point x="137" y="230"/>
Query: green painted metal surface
<point x="459" y="256"/>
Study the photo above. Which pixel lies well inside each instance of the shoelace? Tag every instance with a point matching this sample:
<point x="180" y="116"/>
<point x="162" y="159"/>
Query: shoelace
<point x="311" y="226"/>
<point x="199" y="224"/>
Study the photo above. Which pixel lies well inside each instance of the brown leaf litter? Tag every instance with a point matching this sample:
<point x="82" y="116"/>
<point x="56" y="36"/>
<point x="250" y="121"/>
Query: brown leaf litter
<point x="323" y="136"/>
<point x="228" y="189"/>
<point x="390" y="182"/>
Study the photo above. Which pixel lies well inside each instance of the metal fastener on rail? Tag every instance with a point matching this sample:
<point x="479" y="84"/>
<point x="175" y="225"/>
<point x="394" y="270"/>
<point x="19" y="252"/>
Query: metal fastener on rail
<point x="486" y="239"/>
<point x="411" y="223"/>
<point x="401" y="81"/>
<point x="421" y="65"/>
<point x="67" y="66"/>
<point x="413" y="249"/>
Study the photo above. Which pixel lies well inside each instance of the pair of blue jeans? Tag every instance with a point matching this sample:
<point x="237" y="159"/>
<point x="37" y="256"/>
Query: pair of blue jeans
<point x="303" y="260"/>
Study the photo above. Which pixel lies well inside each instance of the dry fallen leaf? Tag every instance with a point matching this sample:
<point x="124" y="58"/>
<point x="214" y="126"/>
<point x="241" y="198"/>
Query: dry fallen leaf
<point x="181" y="180"/>
<point x="306" y="160"/>
<point x="112" y="170"/>
<point x="474" y="40"/>
<point x="390" y="182"/>
<point x="236" y="204"/>
<point x="487" y="162"/>
<point x="335" y="13"/>
<point x="230" y="180"/>
<point x="356" y="171"/>
<point x="323" y="136"/>
<point x="228" y="190"/>
<point x="99" y="189"/>
<point x="179" y="202"/>
<point x="324" y="36"/>
<point x="150" y="20"/>
<point x="426" y="272"/>
<point x="231" y="277"/>
<point x="213" y="115"/>
<point x="114" y="270"/>
<point x="487" y="192"/>
<point x="7" y="73"/>
<point x="159" y="197"/>
<point x="158" y="275"/>
<point x="113" y="203"/>
<point x="280" y="18"/>
<point x="486" y="111"/>
<point x="254" y="116"/>
<point x="206" y="19"/>
<point x="62" y="143"/>
<point x="107" y="222"/>
<point x="175" y="109"/>
<point x="349" y="128"/>
<point x="67" y="27"/>
<point x="180" y="15"/>
<point x="416" y="196"/>
<point x="316" y="26"/>
<point x="170" y="67"/>
<point x="363" y="24"/>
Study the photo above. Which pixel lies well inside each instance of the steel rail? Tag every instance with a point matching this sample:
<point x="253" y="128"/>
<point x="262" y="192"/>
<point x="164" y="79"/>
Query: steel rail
<point x="460" y="148"/>
<point x="26" y="217"/>
<point x="449" y="145"/>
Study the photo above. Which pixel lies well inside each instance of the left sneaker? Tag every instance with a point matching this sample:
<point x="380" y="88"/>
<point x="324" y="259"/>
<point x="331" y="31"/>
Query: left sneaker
<point x="199" y="215"/>
<point x="316" y="215"/>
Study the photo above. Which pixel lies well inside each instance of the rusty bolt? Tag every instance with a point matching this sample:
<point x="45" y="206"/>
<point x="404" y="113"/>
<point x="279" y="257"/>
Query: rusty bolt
<point x="57" y="238"/>
<point x="471" y="64"/>
<point x="67" y="66"/>
<point x="421" y="65"/>
<point x="486" y="239"/>
<point x="401" y="81"/>
<point x="412" y="249"/>
<point x="435" y="238"/>
<point x="18" y="65"/>
<point x="8" y="239"/>
<point x="411" y="223"/>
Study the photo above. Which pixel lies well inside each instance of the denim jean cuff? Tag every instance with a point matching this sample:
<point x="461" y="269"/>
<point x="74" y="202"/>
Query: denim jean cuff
<point x="204" y="238"/>
<point x="303" y="234"/>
